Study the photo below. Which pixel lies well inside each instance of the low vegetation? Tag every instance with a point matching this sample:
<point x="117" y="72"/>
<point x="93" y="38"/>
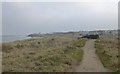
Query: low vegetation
<point x="50" y="54"/>
<point x="107" y="50"/>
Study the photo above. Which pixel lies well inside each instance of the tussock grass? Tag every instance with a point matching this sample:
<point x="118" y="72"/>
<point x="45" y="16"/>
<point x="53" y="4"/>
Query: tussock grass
<point x="50" y="54"/>
<point x="107" y="50"/>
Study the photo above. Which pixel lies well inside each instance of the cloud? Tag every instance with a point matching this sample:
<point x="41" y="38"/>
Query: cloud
<point x="0" y="18"/>
<point x="60" y="0"/>
<point x="30" y="17"/>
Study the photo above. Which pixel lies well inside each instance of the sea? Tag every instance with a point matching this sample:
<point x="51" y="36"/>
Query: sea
<point x="11" y="38"/>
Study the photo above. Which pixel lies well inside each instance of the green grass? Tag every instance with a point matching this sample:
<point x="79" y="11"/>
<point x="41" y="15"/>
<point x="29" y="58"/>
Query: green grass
<point x="51" y="54"/>
<point x="108" y="53"/>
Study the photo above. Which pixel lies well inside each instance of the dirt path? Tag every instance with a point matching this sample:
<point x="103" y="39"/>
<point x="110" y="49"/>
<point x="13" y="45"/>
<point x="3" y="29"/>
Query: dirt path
<point x="90" y="62"/>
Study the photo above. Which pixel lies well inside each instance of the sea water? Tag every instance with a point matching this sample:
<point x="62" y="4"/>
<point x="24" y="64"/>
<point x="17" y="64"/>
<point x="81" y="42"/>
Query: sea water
<point x="10" y="38"/>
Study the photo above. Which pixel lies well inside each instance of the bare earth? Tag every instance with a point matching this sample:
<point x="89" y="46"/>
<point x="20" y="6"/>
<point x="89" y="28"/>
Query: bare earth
<point x="90" y="62"/>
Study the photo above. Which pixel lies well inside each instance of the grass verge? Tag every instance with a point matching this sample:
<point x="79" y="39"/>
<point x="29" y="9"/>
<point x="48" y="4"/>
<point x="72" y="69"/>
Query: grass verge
<point x="108" y="53"/>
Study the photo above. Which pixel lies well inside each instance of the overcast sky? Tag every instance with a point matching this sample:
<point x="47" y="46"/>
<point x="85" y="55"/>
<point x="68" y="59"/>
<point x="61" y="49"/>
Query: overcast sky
<point x="22" y="18"/>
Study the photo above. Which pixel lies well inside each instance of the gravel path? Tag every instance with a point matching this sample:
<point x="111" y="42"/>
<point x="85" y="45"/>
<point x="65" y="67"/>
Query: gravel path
<point x="90" y="62"/>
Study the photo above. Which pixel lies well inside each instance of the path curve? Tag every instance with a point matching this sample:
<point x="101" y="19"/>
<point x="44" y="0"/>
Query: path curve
<point x="90" y="61"/>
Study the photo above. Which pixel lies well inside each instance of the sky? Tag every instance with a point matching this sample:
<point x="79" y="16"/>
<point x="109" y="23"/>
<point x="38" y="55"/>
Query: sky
<point x="0" y="18"/>
<point x="23" y="18"/>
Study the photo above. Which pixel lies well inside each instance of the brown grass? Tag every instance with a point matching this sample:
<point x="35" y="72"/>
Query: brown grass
<point x="50" y="54"/>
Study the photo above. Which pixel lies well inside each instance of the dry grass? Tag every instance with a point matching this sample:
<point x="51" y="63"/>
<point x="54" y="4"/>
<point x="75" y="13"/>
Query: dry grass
<point x="50" y="54"/>
<point x="107" y="50"/>
<point x="0" y="62"/>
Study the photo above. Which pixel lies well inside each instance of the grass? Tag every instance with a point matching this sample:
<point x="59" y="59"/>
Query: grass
<point x="107" y="50"/>
<point x="50" y="54"/>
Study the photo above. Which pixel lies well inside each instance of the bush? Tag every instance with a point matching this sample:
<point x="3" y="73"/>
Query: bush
<point x="6" y="47"/>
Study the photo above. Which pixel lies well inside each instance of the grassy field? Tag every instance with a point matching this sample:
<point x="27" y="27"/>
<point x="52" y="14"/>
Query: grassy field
<point x="107" y="50"/>
<point x="49" y="54"/>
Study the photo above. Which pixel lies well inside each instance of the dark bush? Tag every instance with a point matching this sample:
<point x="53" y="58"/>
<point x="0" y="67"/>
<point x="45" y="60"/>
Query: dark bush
<point x="6" y="47"/>
<point x="19" y="46"/>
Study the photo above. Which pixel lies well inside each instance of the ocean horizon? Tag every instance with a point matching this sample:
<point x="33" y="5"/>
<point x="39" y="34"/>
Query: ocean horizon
<point x="10" y="38"/>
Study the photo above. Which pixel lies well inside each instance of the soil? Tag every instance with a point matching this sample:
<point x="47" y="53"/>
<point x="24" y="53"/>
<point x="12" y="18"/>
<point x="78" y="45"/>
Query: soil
<point x="90" y="61"/>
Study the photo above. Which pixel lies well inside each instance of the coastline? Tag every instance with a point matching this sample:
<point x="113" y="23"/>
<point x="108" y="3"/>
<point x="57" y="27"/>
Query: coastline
<point x="26" y="38"/>
<point x="13" y="38"/>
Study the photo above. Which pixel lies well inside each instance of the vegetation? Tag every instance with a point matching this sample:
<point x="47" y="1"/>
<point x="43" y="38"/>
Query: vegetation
<point x="50" y="54"/>
<point x="107" y="50"/>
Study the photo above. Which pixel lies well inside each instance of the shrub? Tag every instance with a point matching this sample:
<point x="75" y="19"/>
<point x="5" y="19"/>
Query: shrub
<point x="6" y="47"/>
